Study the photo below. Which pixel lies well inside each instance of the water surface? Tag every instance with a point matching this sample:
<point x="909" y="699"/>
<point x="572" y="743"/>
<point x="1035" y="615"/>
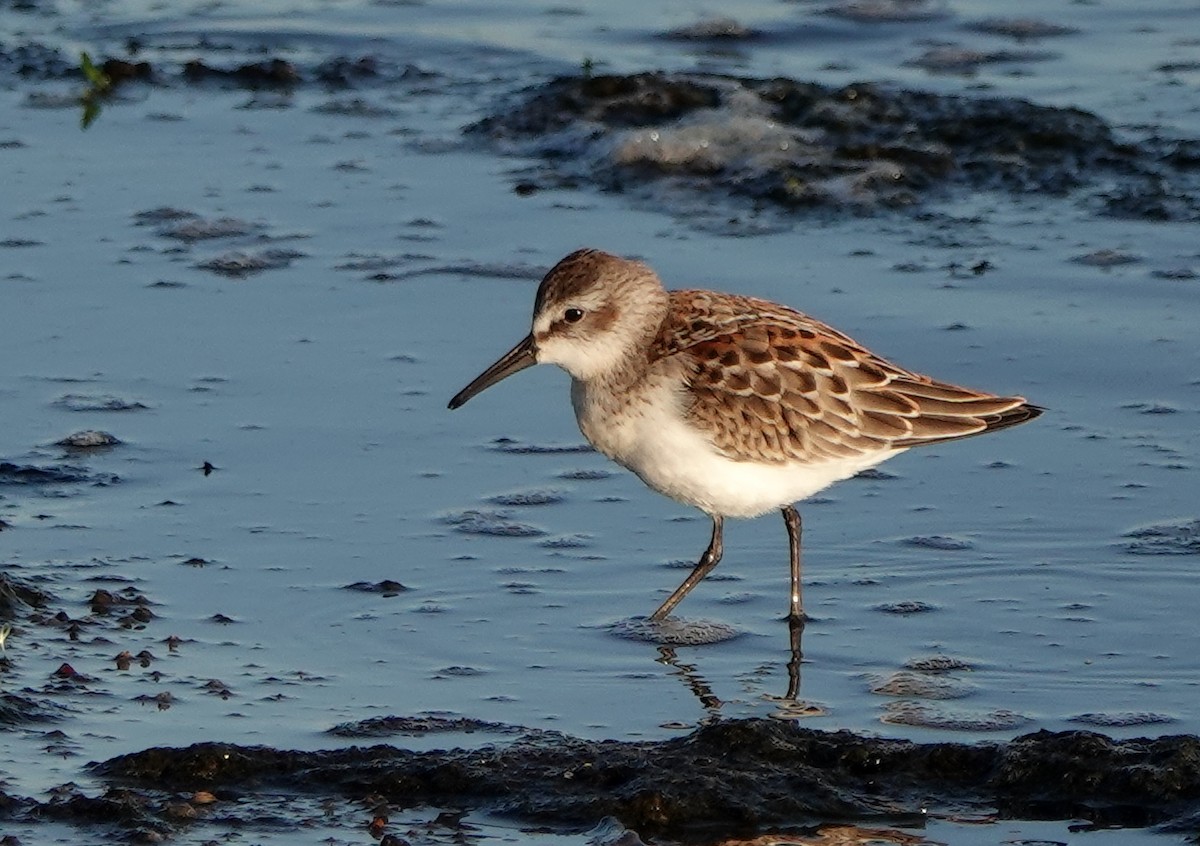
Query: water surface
<point x="401" y="261"/>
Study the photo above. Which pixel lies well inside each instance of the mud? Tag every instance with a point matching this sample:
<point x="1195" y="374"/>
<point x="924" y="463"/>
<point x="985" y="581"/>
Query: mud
<point x="731" y="778"/>
<point x="33" y="61"/>
<point x="792" y="145"/>
<point x="863" y="147"/>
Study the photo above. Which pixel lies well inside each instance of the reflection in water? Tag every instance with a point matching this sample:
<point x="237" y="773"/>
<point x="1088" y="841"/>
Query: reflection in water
<point x="795" y="634"/>
<point x="709" y="700"/>
<point x="790" y="705"/>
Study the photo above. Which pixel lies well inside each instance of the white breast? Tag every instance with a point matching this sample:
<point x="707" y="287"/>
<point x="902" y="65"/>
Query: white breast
<point x="649" y="435"/>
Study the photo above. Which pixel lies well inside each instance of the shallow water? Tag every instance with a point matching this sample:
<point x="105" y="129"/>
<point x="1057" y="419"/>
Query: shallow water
<point x="317" y="389"/>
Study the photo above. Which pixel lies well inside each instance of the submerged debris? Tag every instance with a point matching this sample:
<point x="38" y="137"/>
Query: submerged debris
<point x="387" y="587"/>
<point x="909" y="683"/>
<point x="419" y="726"/>
<point x="673" y="631"/>
<point x="98" y="402"/>
<point x="88" y="439"/>
<point x="907" y="712"/>
<point x="16" y="595"/>
<point x="942" y="543"/>
<point x="1122" y="719"/>
<point x="801" y="145"/>
<point x="35" y="475"/>
<point x="191" y="229"/>
<point x="16" y="709"/>
<point x="888" y="11"/>
<point x="906" y="607"/>
<point x="1165" y="539"/>
<point x="238" y="264"/>
<point x="1021" y="29"/>
<point x="271" y="73"/>
<point x="712" y="29"/>
<point x="495" y="523"/>
<point x="532" y="497"/>
<point x="1107" y="257"/>
<point x="951" y="59"/>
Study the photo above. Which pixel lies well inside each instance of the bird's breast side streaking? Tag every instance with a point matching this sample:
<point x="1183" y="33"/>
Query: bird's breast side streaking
<point x="732" y="404"/>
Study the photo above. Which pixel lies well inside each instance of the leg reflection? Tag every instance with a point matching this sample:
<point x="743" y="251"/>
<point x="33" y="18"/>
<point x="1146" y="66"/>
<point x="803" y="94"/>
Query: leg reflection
<point x="692" y="678"/>
<point x="795" y="636"/>
<point x="788" y="707"/>
<point x="791" y="706"/>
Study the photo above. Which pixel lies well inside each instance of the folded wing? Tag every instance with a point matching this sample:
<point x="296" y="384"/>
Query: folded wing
<point x="772" y="384"/>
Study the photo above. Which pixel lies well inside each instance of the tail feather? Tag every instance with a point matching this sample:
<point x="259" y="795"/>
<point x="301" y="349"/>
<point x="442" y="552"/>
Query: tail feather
<point x="1020" y="412"/>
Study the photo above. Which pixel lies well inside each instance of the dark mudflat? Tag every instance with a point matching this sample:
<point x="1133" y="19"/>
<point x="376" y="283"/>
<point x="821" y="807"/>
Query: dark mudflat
<point x="727" y="778"/>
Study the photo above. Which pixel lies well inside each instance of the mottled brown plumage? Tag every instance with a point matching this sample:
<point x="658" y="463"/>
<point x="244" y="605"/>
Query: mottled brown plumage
<point x="732" y="404"/>
<point x="772" y="384"/>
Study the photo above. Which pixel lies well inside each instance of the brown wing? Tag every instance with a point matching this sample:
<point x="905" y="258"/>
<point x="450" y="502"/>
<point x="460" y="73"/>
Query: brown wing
<point x="773" y="384"/>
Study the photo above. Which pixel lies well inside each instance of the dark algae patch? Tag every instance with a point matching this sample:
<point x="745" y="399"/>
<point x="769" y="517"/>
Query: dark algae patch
<point x="802" y="145"/>
<point x="788" y="144"/>
<point x="729" y="778"/>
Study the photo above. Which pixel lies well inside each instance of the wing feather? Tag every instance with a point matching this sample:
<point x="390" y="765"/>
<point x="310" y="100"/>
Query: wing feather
<point x="773" y="385"/>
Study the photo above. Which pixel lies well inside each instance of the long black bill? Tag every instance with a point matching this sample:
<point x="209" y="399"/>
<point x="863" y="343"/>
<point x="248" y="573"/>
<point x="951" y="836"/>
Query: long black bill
<point x="513" y="361"/>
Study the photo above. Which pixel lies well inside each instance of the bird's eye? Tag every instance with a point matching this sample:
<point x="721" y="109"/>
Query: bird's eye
<point x="573" y="315"/>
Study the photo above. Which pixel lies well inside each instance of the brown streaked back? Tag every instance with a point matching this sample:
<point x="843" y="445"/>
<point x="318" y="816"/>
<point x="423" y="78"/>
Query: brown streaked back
<point x="772" y="384"/>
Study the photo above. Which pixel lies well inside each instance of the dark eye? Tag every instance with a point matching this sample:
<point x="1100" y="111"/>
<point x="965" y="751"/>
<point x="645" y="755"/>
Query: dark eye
<point x="573" y="315"/>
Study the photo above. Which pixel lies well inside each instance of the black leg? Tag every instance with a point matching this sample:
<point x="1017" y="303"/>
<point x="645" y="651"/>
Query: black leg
<point x="708" y="560"/>
<point x="791" y="517"/>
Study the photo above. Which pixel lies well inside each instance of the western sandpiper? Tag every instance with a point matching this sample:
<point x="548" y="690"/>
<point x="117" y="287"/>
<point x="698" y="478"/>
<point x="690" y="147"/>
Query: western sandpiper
<point x="732" y="404"/>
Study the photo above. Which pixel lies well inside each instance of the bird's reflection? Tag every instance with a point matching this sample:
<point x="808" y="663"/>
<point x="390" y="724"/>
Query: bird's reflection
<point x="795" y="648"/>
<point x="789" y="705"/>
<point x="702" y="690"/>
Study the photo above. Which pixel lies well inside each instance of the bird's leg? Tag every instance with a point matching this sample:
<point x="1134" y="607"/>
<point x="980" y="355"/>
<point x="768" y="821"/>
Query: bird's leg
<point x="708" y="560"/>
<point x="791" y="517"/>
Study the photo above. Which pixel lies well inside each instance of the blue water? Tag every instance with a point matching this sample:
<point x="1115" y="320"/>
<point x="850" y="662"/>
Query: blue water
<point x="319" y="394"/>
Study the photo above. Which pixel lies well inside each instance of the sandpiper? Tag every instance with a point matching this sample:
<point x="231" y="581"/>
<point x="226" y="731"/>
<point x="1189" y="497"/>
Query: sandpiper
<point x="732" y="404"/>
